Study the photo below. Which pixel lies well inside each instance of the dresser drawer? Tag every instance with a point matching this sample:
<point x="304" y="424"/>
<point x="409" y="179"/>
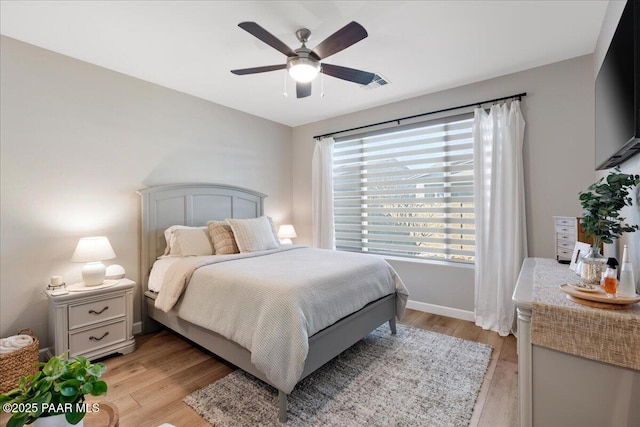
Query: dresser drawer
<point x="93" y="312"/>
<point x="566" y="222"/>
<point x="95" y="338"/>
<point x="566" y="245"/>
<point x="565" y="230"/>
<point x="566" y="237"/>
<point x="565" y="253"/>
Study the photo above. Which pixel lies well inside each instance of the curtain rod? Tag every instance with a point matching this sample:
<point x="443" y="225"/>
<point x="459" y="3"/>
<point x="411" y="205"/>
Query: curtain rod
<point x="519" y="96"/>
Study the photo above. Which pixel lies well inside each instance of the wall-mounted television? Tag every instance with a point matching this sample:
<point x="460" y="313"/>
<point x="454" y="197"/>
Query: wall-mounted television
<point x="618" y="93"/>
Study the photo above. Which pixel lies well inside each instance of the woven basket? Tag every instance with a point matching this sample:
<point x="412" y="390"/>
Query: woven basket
<point x="19" y="363"/>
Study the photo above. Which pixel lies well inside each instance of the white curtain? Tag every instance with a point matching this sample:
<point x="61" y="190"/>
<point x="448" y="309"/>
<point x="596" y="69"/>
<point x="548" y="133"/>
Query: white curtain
<point x="322" y="194"/>
<point x="501" y="231"/>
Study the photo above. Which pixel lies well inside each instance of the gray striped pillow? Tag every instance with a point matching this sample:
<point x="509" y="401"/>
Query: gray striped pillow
<point x="254" y="234"/>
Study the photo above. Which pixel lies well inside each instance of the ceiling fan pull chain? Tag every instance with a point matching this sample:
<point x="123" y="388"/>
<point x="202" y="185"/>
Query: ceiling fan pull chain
<point x="321" y="83"/>
<point x="285" y="94"/>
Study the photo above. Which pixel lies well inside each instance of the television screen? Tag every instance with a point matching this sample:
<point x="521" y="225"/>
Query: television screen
<point x="617" y="121"/>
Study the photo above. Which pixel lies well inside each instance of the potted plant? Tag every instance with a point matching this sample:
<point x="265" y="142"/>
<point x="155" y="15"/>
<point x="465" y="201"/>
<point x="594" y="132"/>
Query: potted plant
<point x="55" y="394"/>
<point x="601" y="218"/>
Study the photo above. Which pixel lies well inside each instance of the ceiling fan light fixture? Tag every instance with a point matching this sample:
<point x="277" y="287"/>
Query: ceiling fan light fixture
<point x="303" y="70"/>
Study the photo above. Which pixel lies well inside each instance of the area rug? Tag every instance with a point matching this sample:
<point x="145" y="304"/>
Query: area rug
<point x="416" y="377"/>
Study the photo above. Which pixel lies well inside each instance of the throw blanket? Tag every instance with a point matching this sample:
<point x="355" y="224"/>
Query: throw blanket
<point x="15" y="342"/>
<point x="271" y="302"/>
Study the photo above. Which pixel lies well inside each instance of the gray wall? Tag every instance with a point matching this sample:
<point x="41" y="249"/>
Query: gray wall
<point x="78" y="140"/>
<point x="558" y="156"/>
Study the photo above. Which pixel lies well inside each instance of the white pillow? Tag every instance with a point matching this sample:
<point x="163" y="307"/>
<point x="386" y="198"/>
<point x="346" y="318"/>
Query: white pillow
<point x="191" y="242"/>
<point x="169" y="236"/>
<point x="254" y="234"/>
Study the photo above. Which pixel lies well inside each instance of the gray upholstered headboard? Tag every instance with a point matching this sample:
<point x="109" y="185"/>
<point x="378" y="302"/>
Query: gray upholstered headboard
<point x="192" y="205"/>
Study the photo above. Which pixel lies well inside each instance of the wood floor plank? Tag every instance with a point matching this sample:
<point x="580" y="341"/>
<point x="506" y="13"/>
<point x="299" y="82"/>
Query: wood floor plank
<point x="480" y="401"/>
<point x="179" y="362"/>
<point x="509" y="352"/>
<point x="125" y="404"/>
<point x="442" y="324"/>
<point x="498" y="409"/>
<point x="122" y="372"/>
<point x="411" y="317"/>
<point x="467" y="331"/>
<point x="177" y="381"/>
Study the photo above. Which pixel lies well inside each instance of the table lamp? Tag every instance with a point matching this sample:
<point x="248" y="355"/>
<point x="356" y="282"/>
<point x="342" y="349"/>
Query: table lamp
<point x="286" y="232"/>
<point x="93" y="250"/>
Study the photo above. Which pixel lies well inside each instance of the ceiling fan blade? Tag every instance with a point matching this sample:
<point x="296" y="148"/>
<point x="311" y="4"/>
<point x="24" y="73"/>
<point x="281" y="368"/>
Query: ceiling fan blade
<point x="265" y="36"/>
<point x="303" y="89"/>
<point x="255" y="70"/>
<point x="348" y="35"/>
<point x="348" y="74"/>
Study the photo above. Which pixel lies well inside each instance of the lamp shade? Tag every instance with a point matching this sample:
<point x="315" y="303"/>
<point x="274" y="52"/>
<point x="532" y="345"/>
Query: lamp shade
<point x="286" y="231"/>
<point x="91" y="249"/>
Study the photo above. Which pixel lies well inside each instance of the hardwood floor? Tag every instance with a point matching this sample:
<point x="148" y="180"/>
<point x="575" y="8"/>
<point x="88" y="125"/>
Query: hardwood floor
<point x="149" y="384"/>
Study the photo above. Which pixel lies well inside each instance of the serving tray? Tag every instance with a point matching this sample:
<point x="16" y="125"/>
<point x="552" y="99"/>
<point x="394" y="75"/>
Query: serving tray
<point x="598" y="299"/>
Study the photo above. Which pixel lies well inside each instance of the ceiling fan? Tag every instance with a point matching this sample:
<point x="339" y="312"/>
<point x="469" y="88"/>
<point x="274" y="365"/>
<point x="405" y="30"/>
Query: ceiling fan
<point x="303" y="63"/>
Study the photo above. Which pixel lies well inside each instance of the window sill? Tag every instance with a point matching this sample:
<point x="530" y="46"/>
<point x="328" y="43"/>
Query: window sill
<point x="427" y="261"/>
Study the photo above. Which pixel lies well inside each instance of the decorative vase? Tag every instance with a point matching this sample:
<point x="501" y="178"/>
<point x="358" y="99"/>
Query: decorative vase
<point x="593" y="266"/>
<point x="55" y="421"/>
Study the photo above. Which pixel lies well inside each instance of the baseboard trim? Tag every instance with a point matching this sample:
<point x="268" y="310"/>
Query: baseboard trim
<point x="43" y="354"/>
<point x="137" y="328"/>
<point x="442" y="310"/>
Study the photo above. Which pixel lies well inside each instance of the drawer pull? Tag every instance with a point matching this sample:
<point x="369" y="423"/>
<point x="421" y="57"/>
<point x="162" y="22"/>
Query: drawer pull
<point x="92" y="338"/>
<point x="99" y="312"/>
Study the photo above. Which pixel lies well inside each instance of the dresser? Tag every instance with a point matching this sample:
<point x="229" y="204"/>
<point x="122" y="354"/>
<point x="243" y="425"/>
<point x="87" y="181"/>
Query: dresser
<point x="93" y="323"/>
<point x="577" y="365"/>
<point x="568" y="231"/>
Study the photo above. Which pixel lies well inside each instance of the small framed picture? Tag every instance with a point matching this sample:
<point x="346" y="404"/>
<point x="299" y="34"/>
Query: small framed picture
<point x="580" y="249"/>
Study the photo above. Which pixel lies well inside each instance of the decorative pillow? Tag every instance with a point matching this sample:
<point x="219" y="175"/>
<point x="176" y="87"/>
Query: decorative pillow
<point x="255" y="234"/>
<point x="222" y="237"/>
<point x="189" y="241"/>
<point x="170" y="238"/>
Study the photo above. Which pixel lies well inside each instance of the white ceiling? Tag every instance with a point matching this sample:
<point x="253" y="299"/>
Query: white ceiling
<point x="421" y="47"/>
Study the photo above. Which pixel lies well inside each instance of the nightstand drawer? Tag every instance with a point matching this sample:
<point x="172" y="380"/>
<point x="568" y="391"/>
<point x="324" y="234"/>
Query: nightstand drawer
<point x="96" y="311"/>
<point x="92" y="339"/>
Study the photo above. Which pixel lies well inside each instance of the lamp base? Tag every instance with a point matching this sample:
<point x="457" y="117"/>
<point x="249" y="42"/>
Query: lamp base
<point x="286" y="242"/>
<point x="93" y="273"/>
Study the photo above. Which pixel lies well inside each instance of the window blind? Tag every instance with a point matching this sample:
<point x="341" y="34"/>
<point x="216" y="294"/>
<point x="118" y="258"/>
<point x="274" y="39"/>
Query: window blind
<point x="407" y="191"/>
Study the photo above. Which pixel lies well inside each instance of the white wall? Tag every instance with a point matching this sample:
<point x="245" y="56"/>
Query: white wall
<point x="631" y="166"/>
<point x="78" y="140"/>
<point x="558" y="155"/>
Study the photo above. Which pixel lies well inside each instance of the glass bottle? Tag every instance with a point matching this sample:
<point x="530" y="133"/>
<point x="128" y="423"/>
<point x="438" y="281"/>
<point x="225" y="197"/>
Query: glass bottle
<point x="611" y="279"/>
<point x="627" y="285"/>
<point x="593" y="265"/>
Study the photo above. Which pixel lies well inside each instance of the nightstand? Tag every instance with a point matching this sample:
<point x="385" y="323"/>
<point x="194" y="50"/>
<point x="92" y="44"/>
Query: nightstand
<point x="93" y="323"/>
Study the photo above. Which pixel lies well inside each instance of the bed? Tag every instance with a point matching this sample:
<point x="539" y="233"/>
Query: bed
<point x="194" y="205"/>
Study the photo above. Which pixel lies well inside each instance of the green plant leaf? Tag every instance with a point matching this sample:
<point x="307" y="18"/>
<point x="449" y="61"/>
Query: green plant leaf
<point x="87" y="388"/>
<point x="99" y="388"/>
<point x="74" y="417"/>
<point x="70" y="388"/>
<point x="97" y="369"/>
<point x="53" y="367"/>
<point x="18" y="420"/>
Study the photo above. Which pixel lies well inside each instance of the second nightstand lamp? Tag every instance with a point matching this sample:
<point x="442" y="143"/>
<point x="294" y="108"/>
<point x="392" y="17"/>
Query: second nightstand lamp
<point x="286" y="232"/>
<point x="93" y="250"/>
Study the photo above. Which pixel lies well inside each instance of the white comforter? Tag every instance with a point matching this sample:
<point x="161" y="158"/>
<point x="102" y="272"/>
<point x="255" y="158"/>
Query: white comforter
<point x="271" y="302"/>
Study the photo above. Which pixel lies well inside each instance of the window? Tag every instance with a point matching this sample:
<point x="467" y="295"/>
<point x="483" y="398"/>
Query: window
<point x="407" y="191"/>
